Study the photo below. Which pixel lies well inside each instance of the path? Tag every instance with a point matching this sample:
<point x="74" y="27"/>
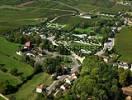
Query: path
<point x="60" y="17"/>
<point x="25" y="4"/>
<point x="76" y="9"/>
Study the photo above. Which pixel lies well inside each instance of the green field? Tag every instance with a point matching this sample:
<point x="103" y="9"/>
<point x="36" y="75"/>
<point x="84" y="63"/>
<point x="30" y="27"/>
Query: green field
<point x="124" y="44"/>
<point x="10" y="60"/>
<point x="27" y="91"/>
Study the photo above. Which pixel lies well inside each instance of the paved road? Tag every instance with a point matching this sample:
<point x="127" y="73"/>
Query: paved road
<point x="54" y="84"/>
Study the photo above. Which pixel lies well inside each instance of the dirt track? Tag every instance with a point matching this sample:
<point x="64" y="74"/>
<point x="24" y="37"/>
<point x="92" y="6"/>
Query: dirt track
<point x="24" y="4"/>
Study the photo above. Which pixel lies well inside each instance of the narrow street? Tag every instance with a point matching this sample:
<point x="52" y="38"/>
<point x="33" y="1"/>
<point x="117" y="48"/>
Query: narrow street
<point x="75" y="68"/>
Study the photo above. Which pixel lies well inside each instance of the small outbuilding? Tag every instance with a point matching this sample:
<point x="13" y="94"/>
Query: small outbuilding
<point x="40" y="88"/>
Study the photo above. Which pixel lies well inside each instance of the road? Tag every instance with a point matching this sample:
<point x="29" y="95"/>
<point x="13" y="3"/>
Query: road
<point x="75" y="68"/>
<point x="54" y="84"/>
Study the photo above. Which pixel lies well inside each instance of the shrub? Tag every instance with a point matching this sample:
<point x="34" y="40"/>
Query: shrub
<point x="3" y="69"/>
<point x="14" y="71"/>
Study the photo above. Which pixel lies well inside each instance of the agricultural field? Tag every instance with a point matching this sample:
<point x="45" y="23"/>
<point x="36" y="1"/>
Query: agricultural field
<point x="96" y="6"/>
<point x="13" y="16"/>
<point x="9" y="60"/>
<point x="16" y="13"/>
<point x="124" y="44"/>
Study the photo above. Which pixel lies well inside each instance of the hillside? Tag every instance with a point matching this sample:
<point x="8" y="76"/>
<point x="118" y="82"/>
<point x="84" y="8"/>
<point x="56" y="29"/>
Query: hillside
<point x="17" y="13"/>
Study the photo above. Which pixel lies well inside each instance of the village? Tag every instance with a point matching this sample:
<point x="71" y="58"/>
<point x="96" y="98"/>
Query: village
<point x="65" y="50"/>
<point x="64" y="82"/>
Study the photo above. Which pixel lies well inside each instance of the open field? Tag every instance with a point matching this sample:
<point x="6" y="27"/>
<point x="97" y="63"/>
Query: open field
<point x="124" y="44"/>
<point x="27" y="91"/>
<point x="10" y="60"/>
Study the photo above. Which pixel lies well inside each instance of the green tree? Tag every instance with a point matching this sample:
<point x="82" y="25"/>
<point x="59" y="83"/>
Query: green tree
<point x="37" y="40"/>
<point x="14" y="71"/>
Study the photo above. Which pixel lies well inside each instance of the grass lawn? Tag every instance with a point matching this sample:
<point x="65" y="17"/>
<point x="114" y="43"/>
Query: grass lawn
<point x="124" y="44"/>
<point x="27" y="91"/>
<point x="10" y="60"/>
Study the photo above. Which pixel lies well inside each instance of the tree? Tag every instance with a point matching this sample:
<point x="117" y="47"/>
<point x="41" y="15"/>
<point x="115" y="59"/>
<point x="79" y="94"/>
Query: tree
<point x="40" y="97"/>
<point x="3" y="87"/>
<point x="123" y="76"/>
<point x="84" y="87"/>
<point x="14" y="71"/>
<point x="6" y="88"/>
<point x="50" y="65"/>
<point x="97" y="81"/>
<point x="37" y="40"/>
<point x="37" y="68"/>
<point x="62" y="50"/>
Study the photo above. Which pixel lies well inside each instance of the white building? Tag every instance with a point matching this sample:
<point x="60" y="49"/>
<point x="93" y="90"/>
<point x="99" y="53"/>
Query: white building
<point x="40" y="88"/>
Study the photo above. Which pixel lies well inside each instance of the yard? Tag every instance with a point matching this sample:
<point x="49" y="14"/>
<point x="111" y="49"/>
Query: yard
<point x="124" y="44"/>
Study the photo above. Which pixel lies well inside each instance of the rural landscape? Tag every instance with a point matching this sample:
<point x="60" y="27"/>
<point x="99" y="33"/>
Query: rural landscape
<point x="65" y="49"/>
